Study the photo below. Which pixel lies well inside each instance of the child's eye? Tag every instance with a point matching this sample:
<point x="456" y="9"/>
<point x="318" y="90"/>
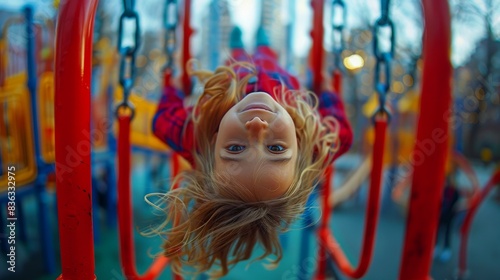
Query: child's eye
<point x="235" y="148"/>
<point x="275" y="148"/>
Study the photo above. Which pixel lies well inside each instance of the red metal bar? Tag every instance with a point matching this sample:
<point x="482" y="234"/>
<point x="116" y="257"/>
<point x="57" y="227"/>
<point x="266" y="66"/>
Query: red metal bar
<point x="430" y="152"/>
<point x="325" y="217"/>
<point x="464" y="231"/>
<point x="327" y="189"/>
<point x="186" y="52"/>
<point x="337" y="82"/>
<point x="72" y="123"/>
<point x="372" y="212"/>
<point x="175" y="158"/>
<point x="468" y="170"/>
<point x="125" y="215"/>
<point x="176" y="167"/>
<point x="3" y="61"/>
<point x="316" y="58"/>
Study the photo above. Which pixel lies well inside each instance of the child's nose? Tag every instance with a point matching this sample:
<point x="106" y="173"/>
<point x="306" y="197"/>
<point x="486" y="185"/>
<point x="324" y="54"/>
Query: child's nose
<point x="256" y="126"/>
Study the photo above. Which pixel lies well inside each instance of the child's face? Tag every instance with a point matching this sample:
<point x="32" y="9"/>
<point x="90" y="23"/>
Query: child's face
<point x="256" y="146"/>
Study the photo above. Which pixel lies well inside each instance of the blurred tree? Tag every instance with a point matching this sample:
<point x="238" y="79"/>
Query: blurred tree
<point x="486" y="71"/>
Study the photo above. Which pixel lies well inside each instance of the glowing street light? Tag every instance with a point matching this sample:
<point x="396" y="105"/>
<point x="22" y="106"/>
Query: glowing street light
<point x="354" y="62"/>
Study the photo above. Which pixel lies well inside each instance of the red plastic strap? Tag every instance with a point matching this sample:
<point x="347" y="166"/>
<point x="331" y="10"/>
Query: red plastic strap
<point x="372" y="212"/>
<point x="464" y="231"/>
<point x="125" y="215"/>
<point x="124" y="199"/>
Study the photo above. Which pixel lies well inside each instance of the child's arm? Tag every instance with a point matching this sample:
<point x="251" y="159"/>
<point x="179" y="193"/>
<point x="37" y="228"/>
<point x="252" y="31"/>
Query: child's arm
<point x="170" y="123"/>
<point x="330" y="104"/>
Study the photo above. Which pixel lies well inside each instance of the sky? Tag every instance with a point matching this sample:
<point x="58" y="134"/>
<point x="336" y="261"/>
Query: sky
<point x="245" y="13"/>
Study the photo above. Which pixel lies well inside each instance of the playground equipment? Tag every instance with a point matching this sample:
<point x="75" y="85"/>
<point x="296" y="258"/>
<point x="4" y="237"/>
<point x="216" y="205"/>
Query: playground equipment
<point x="19" y="127"/>
<point x="380" y="118"/>
<point x="77" y="261"/>
<point x="125" y="113"/>
<point x="428" y="178"/>
<point x="476" y="201"/>
<point x="400" y="193"/>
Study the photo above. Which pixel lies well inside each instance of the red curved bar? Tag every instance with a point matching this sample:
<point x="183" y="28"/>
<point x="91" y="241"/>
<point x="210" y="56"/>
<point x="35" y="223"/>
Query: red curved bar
<point x="125" y="215"/>
<point x="186" y="52"/>
<point x="372" y="212"/>
<point x="467" y="168"/>
<point x="429" y="174"/>
<point x="72" y="148"/>
<point x="316" y="58"/>
<point x="464" y="231"/>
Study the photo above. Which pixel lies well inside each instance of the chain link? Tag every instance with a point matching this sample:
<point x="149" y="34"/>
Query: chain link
<point x="338" y="20"/>
<point x="383" y="56"/>
<point x="384" y="7"/>
<point x="127" y="50"/>
<point x="170" y="21"/>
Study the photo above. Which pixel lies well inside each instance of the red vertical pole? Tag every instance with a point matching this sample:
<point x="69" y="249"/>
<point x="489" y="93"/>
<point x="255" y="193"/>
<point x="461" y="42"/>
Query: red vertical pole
<point x="3" y="61"/>
<point x="72" y="124"/>
<point x="327" y="189"/>
<point x="337" y="82"/>
<point x="430" y="152"/>
<point x="186" y="53"/>
<point x="325" y="217"/>
<point x="317" y="44"/>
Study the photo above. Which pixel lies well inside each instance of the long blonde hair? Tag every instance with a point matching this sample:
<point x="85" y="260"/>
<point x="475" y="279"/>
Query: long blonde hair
<point x="209" y="222"/>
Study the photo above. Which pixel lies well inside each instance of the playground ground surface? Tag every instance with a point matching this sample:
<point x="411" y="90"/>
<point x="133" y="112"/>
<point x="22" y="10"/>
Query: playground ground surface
<point x="347" y="223"/>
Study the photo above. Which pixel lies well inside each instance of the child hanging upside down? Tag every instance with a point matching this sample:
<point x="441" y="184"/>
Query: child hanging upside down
<point x="258" y="143"/>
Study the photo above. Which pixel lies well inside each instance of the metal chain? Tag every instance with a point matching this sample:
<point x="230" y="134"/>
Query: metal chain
<point x="384" y="7"/>
<point x="170" y="21"/>
<point x="128" y="52"/>
<point x="338" y="24"/>
<point x="383" y="56"/>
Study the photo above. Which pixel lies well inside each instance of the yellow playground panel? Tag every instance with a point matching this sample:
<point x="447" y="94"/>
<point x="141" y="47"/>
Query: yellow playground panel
<point x="141" y="127"/>
<point x="46" y="116"/>
<point x="16" y="131"/>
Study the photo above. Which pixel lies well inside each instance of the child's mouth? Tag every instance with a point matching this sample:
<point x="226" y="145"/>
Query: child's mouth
<point x="257" y="107"/>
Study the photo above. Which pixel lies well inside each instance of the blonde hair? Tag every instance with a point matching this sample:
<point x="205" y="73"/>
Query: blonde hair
<point x="209" y="223"/>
